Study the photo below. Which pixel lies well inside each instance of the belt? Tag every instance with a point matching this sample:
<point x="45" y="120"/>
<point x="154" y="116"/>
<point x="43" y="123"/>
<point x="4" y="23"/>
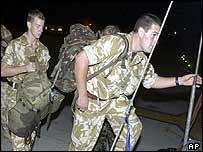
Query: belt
<point x="91" y="96"/>
<point x="13" y="84"/>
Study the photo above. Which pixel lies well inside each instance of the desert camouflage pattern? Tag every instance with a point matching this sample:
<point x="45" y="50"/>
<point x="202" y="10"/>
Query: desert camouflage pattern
<point x="78" y="37"/>
<point x="22" y="144"/>
<point x="112" y="86"/>
<point x="88" y="124"/>
<point x="4" y="109"/>
<point x="106" y="136"/>
<point x="6" y="36"/>
<point x="115" y="81"/>
<point x="18" y="52"/>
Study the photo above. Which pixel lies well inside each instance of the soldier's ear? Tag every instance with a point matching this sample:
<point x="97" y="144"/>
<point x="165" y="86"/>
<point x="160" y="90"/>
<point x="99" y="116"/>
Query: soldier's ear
<point x="141" y="32"/>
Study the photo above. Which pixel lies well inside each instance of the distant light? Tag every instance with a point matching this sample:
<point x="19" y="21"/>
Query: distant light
<point x="90" y="24"/>
<point x="175" y="32"/>
<point x="46" y="27"/>
<point x="189" y="65"/>
<point x="60" y="29"/>
<point x="185" y="61"/>
<point x="183" y="57"/>
<point x="52" y="29"/>
<point x="184" y="28"/>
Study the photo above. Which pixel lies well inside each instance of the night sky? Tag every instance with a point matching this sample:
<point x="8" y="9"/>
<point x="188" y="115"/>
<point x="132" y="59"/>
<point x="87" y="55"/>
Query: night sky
<point x="121" y="13"/>
<point x="181" y="30"/>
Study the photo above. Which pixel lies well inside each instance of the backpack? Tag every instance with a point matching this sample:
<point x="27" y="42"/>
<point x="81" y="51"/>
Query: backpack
<point x="79" y="37"/>
<point x="35" y="100"/>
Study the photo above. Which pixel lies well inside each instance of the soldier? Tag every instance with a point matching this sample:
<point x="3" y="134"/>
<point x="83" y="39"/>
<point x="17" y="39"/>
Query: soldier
<point x="6" y="37"/>
<point x="105" y="96"/>
<point x="16" y="63"/>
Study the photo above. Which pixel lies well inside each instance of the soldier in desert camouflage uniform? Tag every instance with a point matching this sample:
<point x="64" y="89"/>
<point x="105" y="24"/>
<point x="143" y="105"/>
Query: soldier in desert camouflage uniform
<point x="105" y="96"/>
<point x="6" y="37"/>
<point x="16" y="63"/>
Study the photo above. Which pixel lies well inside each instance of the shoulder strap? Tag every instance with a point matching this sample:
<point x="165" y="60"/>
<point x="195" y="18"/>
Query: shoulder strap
<point x="122" y="56"/>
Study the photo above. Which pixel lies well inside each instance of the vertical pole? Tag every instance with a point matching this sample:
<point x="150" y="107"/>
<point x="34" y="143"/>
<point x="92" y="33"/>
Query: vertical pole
<point x="192" y="96"/>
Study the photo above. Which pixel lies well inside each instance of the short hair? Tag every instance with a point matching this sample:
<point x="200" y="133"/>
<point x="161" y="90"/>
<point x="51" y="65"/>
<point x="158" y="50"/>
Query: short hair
<point x="145" y="21"/>
<point x="35" y="13"/>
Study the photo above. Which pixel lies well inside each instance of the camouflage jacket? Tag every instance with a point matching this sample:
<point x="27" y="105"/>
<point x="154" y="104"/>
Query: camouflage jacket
<point x="5" y="36"/>
<point x="115" y="81"/>
<point x="18" y="53"/>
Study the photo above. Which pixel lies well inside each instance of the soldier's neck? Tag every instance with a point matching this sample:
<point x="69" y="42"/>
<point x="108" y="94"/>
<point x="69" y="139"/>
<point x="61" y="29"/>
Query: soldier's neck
<point x="30" y="38"/>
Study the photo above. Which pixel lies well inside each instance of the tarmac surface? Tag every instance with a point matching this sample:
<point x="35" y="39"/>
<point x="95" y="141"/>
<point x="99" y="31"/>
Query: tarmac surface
<point x="156" y="134"/>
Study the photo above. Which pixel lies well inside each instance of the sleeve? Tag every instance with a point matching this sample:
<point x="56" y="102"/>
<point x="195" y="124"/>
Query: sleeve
<point x="149" y="77"/>
<point x="8" y="57"/>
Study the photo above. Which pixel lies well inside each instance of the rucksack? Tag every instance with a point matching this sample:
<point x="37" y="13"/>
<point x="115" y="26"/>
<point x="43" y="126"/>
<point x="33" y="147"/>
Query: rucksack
<point x="35" y="100"/>
<point x="79" y="37"/>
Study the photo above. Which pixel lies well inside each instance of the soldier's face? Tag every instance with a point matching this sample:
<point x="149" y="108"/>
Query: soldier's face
<point x="36" y="27"/>
<point x="148" y="38"/>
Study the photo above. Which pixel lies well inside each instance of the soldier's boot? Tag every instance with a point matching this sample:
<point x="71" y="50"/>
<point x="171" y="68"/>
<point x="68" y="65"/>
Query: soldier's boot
<point x="6" y="132"/>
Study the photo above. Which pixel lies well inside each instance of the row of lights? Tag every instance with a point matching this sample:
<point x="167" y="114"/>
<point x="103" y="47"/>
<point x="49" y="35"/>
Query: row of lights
<point x="58" y="29"/>
<point x="175" y="32"/>
<point x="183" y="58"/>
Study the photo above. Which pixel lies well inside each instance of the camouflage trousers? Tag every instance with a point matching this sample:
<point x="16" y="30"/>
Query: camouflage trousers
<point x="22" y="144"/>
<point x="87" y="125"/>
<point x="8" y="95"/>
<point x="4" y="109"/>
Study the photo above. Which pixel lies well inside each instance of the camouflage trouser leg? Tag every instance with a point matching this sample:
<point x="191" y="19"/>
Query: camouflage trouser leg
<point x="116" y="116"/>
<point x="4" y="110"/>
<point x="85" y="131"/>
<point x="22" y="144"/>
<point x="88" y="124"/>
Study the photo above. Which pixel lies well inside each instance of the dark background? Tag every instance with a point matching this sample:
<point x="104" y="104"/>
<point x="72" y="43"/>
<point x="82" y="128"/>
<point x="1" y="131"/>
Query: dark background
<point x="184" y="19"/>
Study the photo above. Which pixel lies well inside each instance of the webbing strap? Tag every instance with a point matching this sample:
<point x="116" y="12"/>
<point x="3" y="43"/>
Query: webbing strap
<point x="122" y="56"/>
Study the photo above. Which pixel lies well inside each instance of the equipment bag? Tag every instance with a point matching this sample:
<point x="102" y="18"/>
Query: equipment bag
<point x="34" y="101"/>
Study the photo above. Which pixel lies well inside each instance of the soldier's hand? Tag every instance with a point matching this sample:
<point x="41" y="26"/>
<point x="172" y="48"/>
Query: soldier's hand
<point x="187" y="80"/>
<point x="31" y="67"/>
<point x="82" y="103"/>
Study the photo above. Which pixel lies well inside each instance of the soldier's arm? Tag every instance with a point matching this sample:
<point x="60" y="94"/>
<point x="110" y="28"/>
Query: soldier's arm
<point x="80" y="70"/>
<point x="186" y="80"/>
<point x="8" y="70"/>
